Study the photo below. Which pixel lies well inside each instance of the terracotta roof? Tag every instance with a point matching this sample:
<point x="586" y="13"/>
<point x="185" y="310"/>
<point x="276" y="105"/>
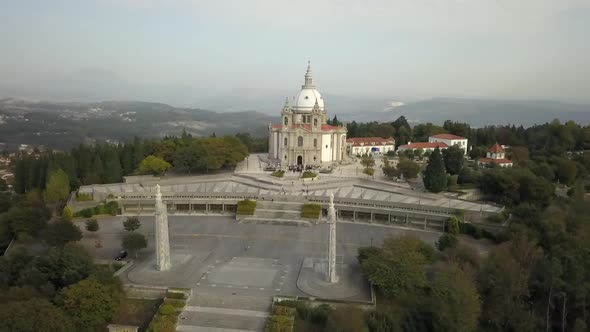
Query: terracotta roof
<point x="424" y="145"/>
<point x="447" y="136"/>
<point x="362" y="141"/>
<point x="330" y="127"/>
<point x="495" y="161"/>
<point x="496" y="148"/>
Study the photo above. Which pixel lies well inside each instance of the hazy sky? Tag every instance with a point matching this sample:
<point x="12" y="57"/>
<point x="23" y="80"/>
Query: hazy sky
<point x="394" y="48"/>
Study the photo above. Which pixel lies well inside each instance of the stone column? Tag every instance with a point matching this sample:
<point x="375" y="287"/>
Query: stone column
<point x="162" y="238"/>
<point x="331" y="273"/>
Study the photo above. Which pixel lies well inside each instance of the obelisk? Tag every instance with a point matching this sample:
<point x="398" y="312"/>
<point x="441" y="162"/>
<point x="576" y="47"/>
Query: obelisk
<point x="331" y="275"/>
<point x="162" y="238"/>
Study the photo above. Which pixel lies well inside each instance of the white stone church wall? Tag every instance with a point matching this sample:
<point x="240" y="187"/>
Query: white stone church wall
<point x="326" y="150"/>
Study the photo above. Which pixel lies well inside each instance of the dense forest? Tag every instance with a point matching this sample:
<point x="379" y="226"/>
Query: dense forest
<point x="107" y="163"/>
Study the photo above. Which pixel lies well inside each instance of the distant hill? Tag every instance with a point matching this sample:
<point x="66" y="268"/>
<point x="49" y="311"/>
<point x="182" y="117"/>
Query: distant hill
<point x="477" y="112"/>
<point x="64" y="125"/>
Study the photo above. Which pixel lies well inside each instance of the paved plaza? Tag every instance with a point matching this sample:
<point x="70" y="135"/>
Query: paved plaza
<point x="234" y="269"/>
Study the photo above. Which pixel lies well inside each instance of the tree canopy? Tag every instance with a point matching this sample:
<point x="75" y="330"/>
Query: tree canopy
<point x="133" y="242"/>
<point x="435" y="176"/>
<point x="152" y="165"/>
<point x="454" y="159"/>
<point x="90" y="304"/>
<point x="58" y="187"/>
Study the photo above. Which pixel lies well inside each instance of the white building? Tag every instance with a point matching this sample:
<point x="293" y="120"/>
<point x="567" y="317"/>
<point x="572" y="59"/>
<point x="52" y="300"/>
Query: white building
<point x="369" y="145"/>
<point x="303" y="137"/>
<point x="495" y="156"/>
<point x="450" y="140"/>
<point x="424" y="146"/>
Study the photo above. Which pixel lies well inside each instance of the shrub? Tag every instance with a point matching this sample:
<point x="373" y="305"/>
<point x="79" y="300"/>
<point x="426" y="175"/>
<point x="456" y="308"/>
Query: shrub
<point x="131" y="224"/>
<point x="167" y="309"/>
<point x="283" y="311"/>
<point x="277" y="323"/>
<point x="278" y="174"/>
<point x="175" y="295"/>
<point x="66" y="213"/>
<point x="311" y="210"/>
<point x="108" y="208"/>
<point x="246" y="207"/>
<point x="111" y="208"/>
<point x="447" y="240"/>
<point x="176" y="303"/>
<point x="92" y="225"/>
<point x="308" y="174"/>
<point x="86" y="213"/>
<point x="453" y="225"/>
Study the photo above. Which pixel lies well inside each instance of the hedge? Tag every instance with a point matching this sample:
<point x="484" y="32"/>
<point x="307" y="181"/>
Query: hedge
<point x="308" y="174"/>
<point x="108" y="208"/>
<point x="246" y="207"/>
<point x="278" y="323"/>
<point x="165" y="319"/>
<point x="311" y="210"/>
<point x="278" y="174"/>
<point x="282" y="319"/>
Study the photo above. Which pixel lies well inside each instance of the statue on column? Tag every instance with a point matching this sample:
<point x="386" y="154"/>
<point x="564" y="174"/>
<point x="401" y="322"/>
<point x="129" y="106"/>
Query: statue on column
<point x="162" y="238"/>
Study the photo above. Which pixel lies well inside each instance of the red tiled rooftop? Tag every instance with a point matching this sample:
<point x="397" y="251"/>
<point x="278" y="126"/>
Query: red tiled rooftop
<point x="447" y="136"/>
<point x="424" y="145"/>
<point x="496" y="148"/>
<point x="330" y="127"/>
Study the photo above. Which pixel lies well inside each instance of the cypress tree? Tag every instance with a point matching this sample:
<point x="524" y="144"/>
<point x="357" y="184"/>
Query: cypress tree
<point x="112" y="166"/>
<point x="435" y="176"/>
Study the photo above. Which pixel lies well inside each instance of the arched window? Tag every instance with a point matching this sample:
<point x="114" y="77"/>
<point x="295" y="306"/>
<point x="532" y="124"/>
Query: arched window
<point x="315" y="122"/>
<point x="300" y="141"/>
<point x="286" y="122"/>
<point x="315" y="142"/>
<point x="286" y="142"/>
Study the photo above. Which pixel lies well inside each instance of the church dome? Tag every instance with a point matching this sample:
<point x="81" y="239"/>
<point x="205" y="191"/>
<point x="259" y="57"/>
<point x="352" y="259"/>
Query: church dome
<point x="306" y="99"/>
<point x="308" y="96"/>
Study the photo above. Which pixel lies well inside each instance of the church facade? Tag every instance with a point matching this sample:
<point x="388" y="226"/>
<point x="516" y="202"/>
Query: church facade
<point x="303" y="137"/>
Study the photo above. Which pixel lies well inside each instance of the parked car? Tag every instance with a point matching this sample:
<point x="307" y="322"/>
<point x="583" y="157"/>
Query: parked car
<point x="121" y="255"/>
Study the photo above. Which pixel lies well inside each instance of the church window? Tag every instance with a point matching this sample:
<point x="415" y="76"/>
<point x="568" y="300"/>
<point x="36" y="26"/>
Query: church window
<point x="315" y="142"/>
<point x="306" y="97"/>
<point x="315" y="122"/>
<point x="286" y="121"/>
<point x="314" y="158"/>
<point x="286" y="142"/>
<point x="300" y="141"/>
<point x="285" y="157"/>
<point x="326" y="146"/>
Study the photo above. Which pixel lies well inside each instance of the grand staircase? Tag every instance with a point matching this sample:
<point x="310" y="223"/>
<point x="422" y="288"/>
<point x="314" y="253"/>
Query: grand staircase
<point x="283" y="213"/>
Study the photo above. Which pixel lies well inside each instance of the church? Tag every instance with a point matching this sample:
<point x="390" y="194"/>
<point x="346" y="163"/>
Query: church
<point x="303" y="137"/>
